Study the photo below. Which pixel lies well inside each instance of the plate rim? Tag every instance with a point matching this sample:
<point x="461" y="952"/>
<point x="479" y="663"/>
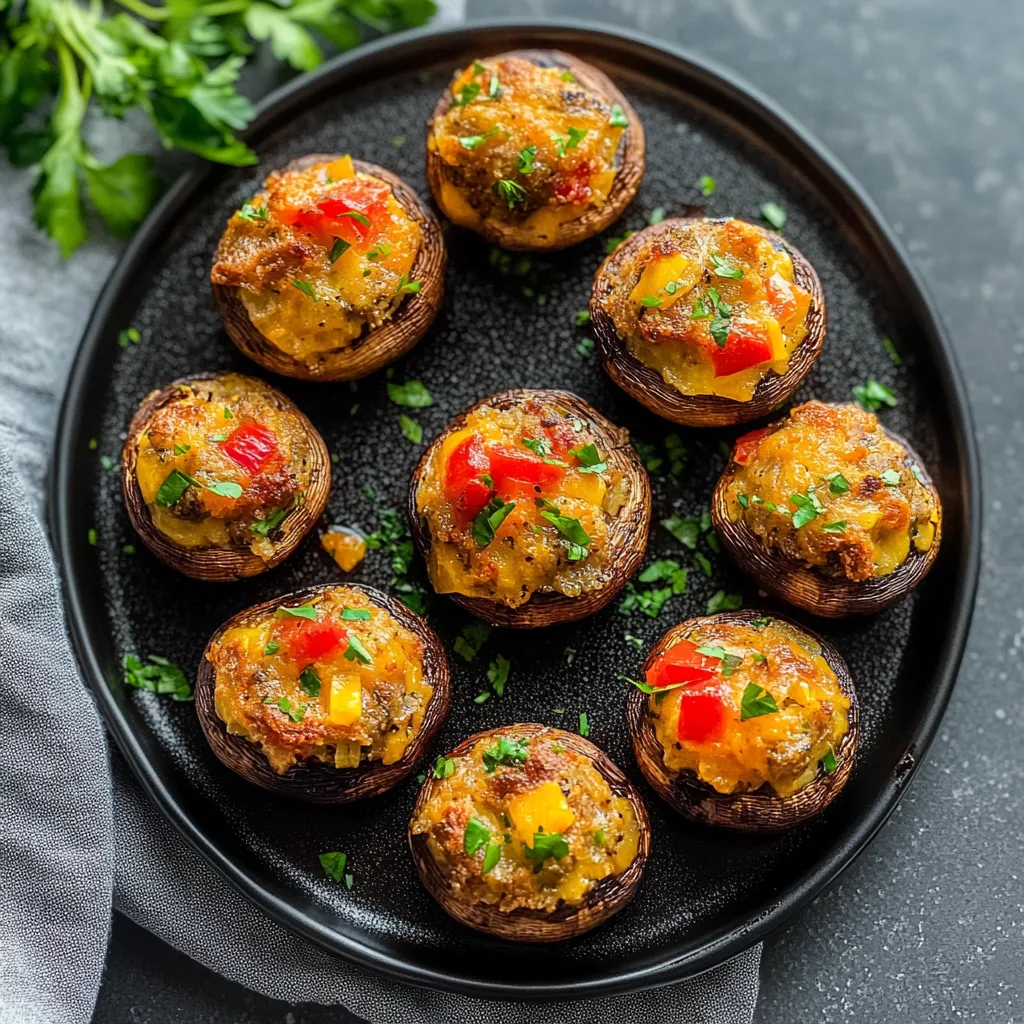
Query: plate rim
<point x="726" y="942"/>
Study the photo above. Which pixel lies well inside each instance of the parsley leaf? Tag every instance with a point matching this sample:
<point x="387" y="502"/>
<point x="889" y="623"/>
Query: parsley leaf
<point x="871" y="396"/>
<point x="720" y="601"/>
<point x="829" y="762"/>
<point x="510" y="191"/>
<point x="309" y="682"/>
<point x="545" y="845"/>
<point x="589" y="458"/>
<point x="724" y="267"/>
<point x="891" y="478"/>
<point x="837" y="483"/>
<point x="159" y="676"/>
<point x="685" y="530"/>
<point x="357" y="652"/>
<point x="618" y="117"/>
<point x="491" y="857"/>
<point x="333" y="864"/>
<point x="413" y="394"/>
<point x="488" y="521"/>
<point x="584" y="724"/>
<point x="511" y="753"/>
<point x="524" y="163"/>
<point x="774" y="214"/>
<point x="497" y="674"/>
<point x="355" y="614"/>
<point x="173" y="487"/>
<point x="472" y="141"/>
<point x="706" y="184"/>
<point x="307" y="289"/>
<point x="411" y="429"/>
<point x="339" y="247"/>
<point x="302" y="611"/>
<point x="473" y="636"/>
<point x="756" y="701"/>
<point x="443" y="767"/>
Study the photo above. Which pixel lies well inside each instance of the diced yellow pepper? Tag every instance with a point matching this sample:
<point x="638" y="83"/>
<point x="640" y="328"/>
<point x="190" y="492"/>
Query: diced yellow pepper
<point x="249" y="640"/>
<point x="346" y="699"/>
<point x="341" y="169"/>
<point x="586" y="486"/>
<point x="666" y="280"/>
<point x="544" y="808"/>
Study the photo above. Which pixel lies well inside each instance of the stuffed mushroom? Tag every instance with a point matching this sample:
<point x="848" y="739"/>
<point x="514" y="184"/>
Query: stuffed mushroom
<point x="829" y="511"/>
<point x="332" y="270"/>
<point x="530" y="509"/>
<point x="529" y="833"/>
<point x="743" y="720"/>
<point x="534" y="150"/>
<point x="708" y="322"/>
<point x="223" y="475"/>
<point x="330" y="694"/>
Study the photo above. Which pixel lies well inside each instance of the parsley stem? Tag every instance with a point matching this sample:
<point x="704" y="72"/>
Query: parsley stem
<point x="146" y="11"/>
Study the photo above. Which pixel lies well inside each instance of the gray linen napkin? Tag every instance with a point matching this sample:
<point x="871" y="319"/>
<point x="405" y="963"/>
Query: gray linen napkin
<point x="75" y="828"/>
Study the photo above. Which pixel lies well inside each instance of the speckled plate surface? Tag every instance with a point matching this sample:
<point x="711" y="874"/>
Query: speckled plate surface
<point x="506" y="324"/>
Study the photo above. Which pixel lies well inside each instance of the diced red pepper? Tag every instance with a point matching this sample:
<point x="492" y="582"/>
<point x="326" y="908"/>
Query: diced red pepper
<point x="305" y="641"/>
<point x="701" y="717"/>
<point x="464" y="488"/>
<point x="252" y="446"/>
<point x="574" y="187"/>
<point x="745" y="346"/>
<point x="746" y="445"/>
<point x="562" y="438"/>
<point x="781" y="297"/>
<point x="681" y="663"/>
<point x="351" y="212"/>
<point x="510" y="463"/>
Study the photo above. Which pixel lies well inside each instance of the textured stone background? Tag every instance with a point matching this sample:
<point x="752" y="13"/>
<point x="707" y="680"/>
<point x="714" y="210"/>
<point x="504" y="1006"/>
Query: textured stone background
<point x="920" y="100"/>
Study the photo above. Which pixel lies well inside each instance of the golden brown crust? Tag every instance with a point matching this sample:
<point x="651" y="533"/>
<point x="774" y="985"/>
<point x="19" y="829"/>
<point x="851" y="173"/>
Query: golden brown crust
<point x="374" y="349"/>
<point x="221" y="564"/>
<point x="606" y="898"/>
<point x="627" y="531"/>
<point x="807" y="587"/>
<point x="629" y="172"/>
<point x="649" y="388"/>
<point x="313" y="781"/>
<point x="762" y="810"/>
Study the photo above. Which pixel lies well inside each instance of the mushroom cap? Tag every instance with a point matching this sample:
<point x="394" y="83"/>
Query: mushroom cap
<point x="762" y="810"/>
<point x="222" y="564"/>
<point x="523" y="924"/>
<point x="649" y="388"/>
<point x="627" y="531"/>
<point x="806" y="586"/>
<point x="629" y="161"/>
<point x="375" y="348"/>
<point x="314" y="781"/>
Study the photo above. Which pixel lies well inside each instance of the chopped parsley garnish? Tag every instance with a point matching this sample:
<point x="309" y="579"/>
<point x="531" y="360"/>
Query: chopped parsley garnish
<point x="585" y="346"/>
<point x="756" y="499"/>
<point x="413" y="394"/>
<point x="837" y="483"/>
<point x="159" y="676"/>
<point x="225" y="488"/>
<point x="411" y="429"/>
<point x="272" y="647"/>
<point x="584" y="724"/>
<point x="355" y="614"/>
<point x="265" y="527"/>
<point x="703" y="563"/>
<point x="724" y="267"/>
<point x="497" y="674"/>
<point x="686" y="530"/>
<point x="571" y="529"/>
<point x="128" y="549"/>
<point x="872" y="396"/>
<point x="524" y="163"/>
<point x="106" y="462"/>
<point x="635" y="642"/>
<point x="405" y="286"/>
<point x="228" y="414"/>
<point x="808" y="507"/>
<point x="611" y="244"/>
<point x="333" y="864"/>
<point x="302" y="611"/>
<point x="379" y="250"/>
<point x="618" y="118"/>
<point x="582" y="317"/>
<point x="511" y="191"/>
<point x="285" y="706"/>
<point x="129" y="335"/>
<point x="759" y="658"/>
<point x="173" y="487"/>
<point x="837" y="527"/>
<point x="891" y="478"/>
<point x="491" y="857"/>
<point x="357" y="652"/>
<point x="472" y="141"/>
<point x="443" y="767"/>
<point x="756" y="701"/>
<point x="706" y="184"/>
<point x="473" y="636"/>
<point x="589" y="458"/>
<point x="337" y="249"/>
<point x="307" y="289"/>
<point x="571" y="141"/>
<point x="700" y="310"/>
<point x="478" y="68"/>
<point x="309" y="682"/>
<point x="511" y="753"/>
<point x="481" y="697"/>
<point x="774" y="214"/>
<point x="891" y="351"/>
<point x="539" y="446"/>
<point x="488" y="521"/>
<point x="743" y="500"/>
<point x="828" y="762"/>
<point x="666" y="570"/>
<point x="545" y="845"/>
<point x="359" y="218"/>
<point x="494" y="89"/>
<point x="567" y="76"/>
<point x="250" y="212"/>
<point x="650" y="602"/>
<point x="656" y="216"/>
<point x="651" y="301"/>
<point x="720" y="327"/>
<point x="918" y="475"/>
<point x="720" y="601"/>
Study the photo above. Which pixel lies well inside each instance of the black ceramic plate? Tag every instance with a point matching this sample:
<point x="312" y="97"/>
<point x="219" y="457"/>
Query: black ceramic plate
<point x="508" y="322"/>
